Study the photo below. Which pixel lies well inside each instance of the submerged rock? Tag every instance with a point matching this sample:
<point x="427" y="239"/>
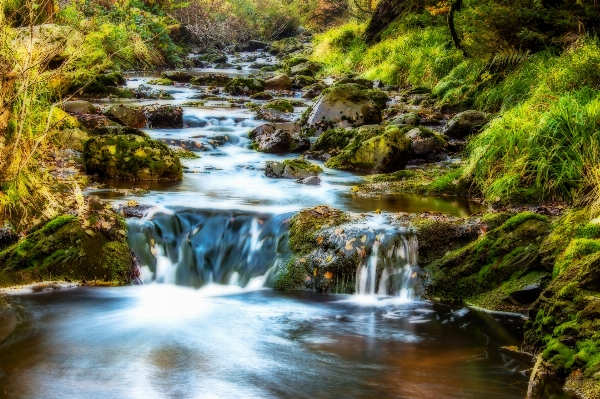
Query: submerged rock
<point x="341" y="106"/>
<point x="131" y="157"/>
<point x="465" y="123"/>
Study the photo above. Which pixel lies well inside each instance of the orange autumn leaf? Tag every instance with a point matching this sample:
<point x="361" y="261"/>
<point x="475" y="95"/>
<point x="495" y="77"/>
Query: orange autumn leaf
<point x="328" y="275"/>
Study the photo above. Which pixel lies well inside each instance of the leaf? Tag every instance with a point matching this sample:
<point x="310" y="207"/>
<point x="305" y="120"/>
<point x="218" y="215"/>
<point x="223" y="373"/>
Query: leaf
<point x="413" y="275"/>
<point x="122" y="232"/>
<point x="329" y="258"/>
<point x="339" y="232"/>
<point x="378" y="211"/>
<point x="86" y="223"/>
<point x="364" y="239"/>
<point x="132" y="203"/>
<point x="106" y="225"/>
<point x="315" y="272"/>
<point x="328" y="275"/>
<point x="320" y="240"/>
<point x="153" y="251"/>
<point x="89" y="233"/>
<point x="302" y="260"/>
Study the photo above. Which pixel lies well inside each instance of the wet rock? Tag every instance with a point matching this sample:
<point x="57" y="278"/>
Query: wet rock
<point x="466" y="123"/>
<point x="341" y="106"/>
<point x="79" y="107"/>
<point x="244" y="86"/>
<point x="130" y="157"/>
<point x="135" y="211"/>
<point x="292" y="169"/>
<point x="254" y="45"/>
<point x="305" y="69"/>
<point x="125" y="115"/>
<point x="217" y="79"/>
<point x="7" y="237"/>
<point x="164" y="116"/>
<point x="374" y="149"/>
<point x="301" y="81"/>
<point x="276" y="111"/>
<point x="278" y="82"/>
<point x="161" y="82"/>
<point x="144" y="92"/>
<point x="379" y="97"/>
<point x="310" y="181"/>
<point x="177" y="76"/>
<point x="73" y="139"/>
<point x="278" y="141"/>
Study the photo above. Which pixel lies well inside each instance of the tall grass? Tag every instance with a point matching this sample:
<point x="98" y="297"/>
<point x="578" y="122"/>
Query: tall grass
<point x="547" y="148"/>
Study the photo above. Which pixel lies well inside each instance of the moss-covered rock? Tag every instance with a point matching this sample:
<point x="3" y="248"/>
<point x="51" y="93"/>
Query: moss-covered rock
<point x="161" y="82"/>
<point x="483" y="271"/>
<point x="280" y="105"/>
<point x="244" y="86"/>
<point x="335" y="139"/>
<point x="374" y="149"/>
<point x="126" y="115"/>
<point x="262" y="96"/>
<point x="88" y="249"/>
<point x="130" y="157"/>
<point x="424" y="142"/>
<point x="217" y="79"/>
<point x="344" y="105"/>
<point x="379" y="97"/>
<point x="292" y="169"/>
<point x="164" y="116"/>
<point x="278" y="82"/>
<point x="275" y="139"/>
<point x="177" y="76"/>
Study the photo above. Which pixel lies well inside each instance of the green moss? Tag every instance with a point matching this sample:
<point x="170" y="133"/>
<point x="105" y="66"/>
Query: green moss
<point x="379" y="97"/>
<point x="521" y="218"/>
<point x="244" y="86"/>
<point x="57" y="223"/>
<point x="334" y="139"/>
<point x="305" y="225"/>
<point x="292" y="276"/>
<point x="161" y="82"/>
<point x="280" y="105"/>
<point x="301" y="164"/>
<point x="576" y="249"/>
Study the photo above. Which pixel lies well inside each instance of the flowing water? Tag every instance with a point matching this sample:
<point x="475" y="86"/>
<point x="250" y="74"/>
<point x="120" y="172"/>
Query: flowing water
<point x="206" y="325"/>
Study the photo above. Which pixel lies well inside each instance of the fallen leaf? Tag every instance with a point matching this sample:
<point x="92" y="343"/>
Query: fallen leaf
<point x="329" y="258"/>
<point x="320" y="240"/>
<point x="302" y="260"/>
<point x="89" y="233"/>
<point x="328" y="275"/>
<point x="364" y="239"/>
<point x="153" y="251"/>
<point x="132" y="203"/>
<point x="315" y="272"/>
<point x="413" y="275"/>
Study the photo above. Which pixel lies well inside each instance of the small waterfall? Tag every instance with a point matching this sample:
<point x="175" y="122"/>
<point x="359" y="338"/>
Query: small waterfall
<point x="391" y="266"/>
<point x="199" y="247"/>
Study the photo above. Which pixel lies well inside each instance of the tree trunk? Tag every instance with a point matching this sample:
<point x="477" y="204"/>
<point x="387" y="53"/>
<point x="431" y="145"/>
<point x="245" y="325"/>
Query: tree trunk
<point x="388" y="11"/>
<point x="455" y="7"/>
<point x="49" y="8"/>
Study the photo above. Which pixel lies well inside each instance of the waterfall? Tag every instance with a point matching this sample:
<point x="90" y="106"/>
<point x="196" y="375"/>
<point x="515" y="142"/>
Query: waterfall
<point x="394" y="258"/>
<point x="199" y="247"/>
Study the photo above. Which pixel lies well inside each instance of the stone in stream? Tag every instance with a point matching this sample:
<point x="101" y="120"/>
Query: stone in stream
<point x="313" y="91"/>
<point x="131" y="157"/>
<point x="244" y="86"/>
<point x="292" y="169"/>
<point x="346" y="105"/>
<point x="374" y="148"/>
<point x="465" y="123"/>
<point x="276" y="111"/>
<point x="164" y="116"/>
<point x="79" y="107"/>
<point x="213" y="79"/>
<point x="177" y="76"/>
<point x="278" y="82"/>
<point x="126" y="115"/>
<point x="264" y="96"/>
<point x="306" y="69"/>
<point x="301" y="81"/>
<point x="278" y="139"/>
<point x="409" y="119"/>
<point x="310" y="181"/>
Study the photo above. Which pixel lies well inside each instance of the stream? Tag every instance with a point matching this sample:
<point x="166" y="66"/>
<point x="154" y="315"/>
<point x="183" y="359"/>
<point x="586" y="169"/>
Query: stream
<point x="206" y="325"/>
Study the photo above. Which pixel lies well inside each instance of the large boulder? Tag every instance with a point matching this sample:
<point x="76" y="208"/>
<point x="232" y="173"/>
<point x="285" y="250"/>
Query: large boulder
<point x="125" y="115"/>
<point x="270" y="139"/>
<point x="465" y="123"/>
<point x="79" y="107"/>
<point x="177" y="76"/>
<point x="341" y="106"/>
<point x="244" y="86"/>
<point x="131" y="157"/>
<point x="374" y="149"/>
<point x="292" y="169"/>
<point x="213" y="79"/>
<point x="278" y="82"/>
<point x="164" y="116"/>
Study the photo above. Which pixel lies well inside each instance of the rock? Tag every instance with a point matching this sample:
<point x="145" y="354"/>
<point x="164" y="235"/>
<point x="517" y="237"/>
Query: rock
<point x="177" y="76"/>
<point x="79" y="107"/>
<point x="374" y="149"/>
<point x="213" y="79"/>
<point x="147" y="92"/>
<point x="7" y="237"/>
<point x="131" y="157"/>
<point x="310" y="181"/>
<point x="527" y="294"/>
<point x="292" y="169"/>
<point x="262" y="96"/>
<point x="278" y="82"/>
<point x="278" y="141"/>
<point x="341" y="106"/>
<point x="380" y="98"/>
<point x="164" y="116"/>
<point x="92" y="121"/>
<point x="114" y="130"/>
<point x="125" y="115"/>
<point x="73" y="139"/>
<point x="424" y="141"/>
<point x="306" y="69"/>
<point x="254" y="45"/>
<point x="161" y="82"/>
<point x="335" y="139"/>
<point x="313" y="91"/>
<point x="410" y="119"/>
<point x="301" y="81"/>
<point x="465" y="123"/>
<point x="244" y="86"/>
<point x="135" y="211"/>
<point x="88" y="250"/>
